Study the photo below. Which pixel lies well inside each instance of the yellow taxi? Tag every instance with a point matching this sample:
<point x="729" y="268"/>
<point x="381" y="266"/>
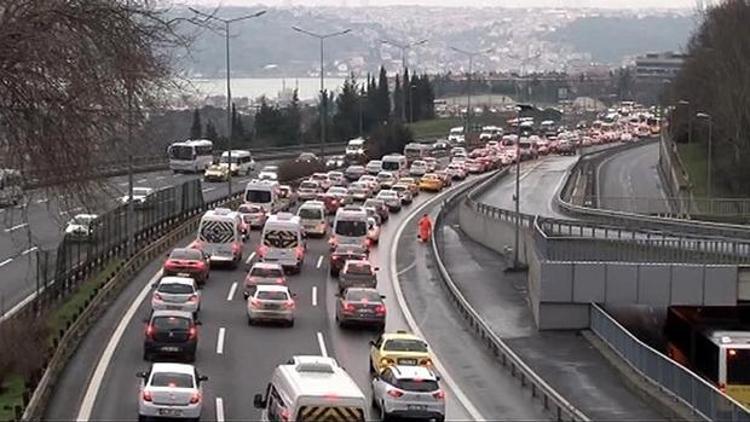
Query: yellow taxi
<point x="431" y="182"/>
<point x="411" y="183"/>
<point x="399" y="348"/>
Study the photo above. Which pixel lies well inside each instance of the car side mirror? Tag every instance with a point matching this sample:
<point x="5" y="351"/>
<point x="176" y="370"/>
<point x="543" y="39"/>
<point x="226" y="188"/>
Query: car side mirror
<point x="437" y="377"/>
<point x="198" y="323"/>
<point x="245" y="295"/>
<point x="382" y="296"/>
<point x="155" y="285"/>
<point x="377" y="268"/>
<point x="258" y="402"/>
<point x="372" y="342"/>
<point x="202" y="378"/>
<point x="142" y="374"/>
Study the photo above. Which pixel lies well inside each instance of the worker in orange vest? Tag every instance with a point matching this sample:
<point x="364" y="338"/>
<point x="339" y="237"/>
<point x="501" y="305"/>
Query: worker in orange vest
<point x="425" y="228"/>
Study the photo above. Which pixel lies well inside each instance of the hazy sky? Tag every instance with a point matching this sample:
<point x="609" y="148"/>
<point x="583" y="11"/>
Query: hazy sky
<point x="614" y="4"/>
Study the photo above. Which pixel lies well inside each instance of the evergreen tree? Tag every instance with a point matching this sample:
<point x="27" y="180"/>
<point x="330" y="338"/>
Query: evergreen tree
<point x="383" y="102"/>
<point x="408" y="94"/>
<point x="211" y="133"/>
<point x="196" y="129"/>
<point x="291" y="123"/>
<point x="346" y="116"/>
<point x="371" y="105"/>
<point x="238" y="129"/>
<point x="397" y="102"/>
<point x="428" y="98"/>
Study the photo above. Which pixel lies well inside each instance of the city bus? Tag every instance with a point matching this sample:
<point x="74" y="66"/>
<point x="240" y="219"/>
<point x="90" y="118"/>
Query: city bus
<point x="191" y="155"/>
<point x="715" y="343"/>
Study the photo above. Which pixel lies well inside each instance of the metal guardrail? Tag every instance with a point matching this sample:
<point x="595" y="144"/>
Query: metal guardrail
<point x="549" y="397"/>
<point x="703" y="399"/>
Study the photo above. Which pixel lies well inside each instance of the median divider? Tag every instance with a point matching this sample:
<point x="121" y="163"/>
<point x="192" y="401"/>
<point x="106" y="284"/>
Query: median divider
<point x="548" y="396"/>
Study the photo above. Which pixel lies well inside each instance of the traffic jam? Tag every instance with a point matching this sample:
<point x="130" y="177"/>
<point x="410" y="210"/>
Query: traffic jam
<point x="344" y="209"/>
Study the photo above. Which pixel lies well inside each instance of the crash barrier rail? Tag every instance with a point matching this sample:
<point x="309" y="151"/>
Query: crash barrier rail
<point x="148" y="163"/>
<point x="67" y="340"/>
<point x="548" y="396"/>
<point x="632" y="220"/>
<point x="709" y="207"/>
<point x="703" y="399"/>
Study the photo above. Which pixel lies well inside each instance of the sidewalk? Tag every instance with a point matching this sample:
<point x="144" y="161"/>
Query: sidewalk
<point x="566" y="360"/>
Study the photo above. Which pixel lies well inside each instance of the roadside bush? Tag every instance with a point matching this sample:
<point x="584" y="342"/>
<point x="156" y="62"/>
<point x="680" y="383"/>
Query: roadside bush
<point x="23" y="347"/>
<point x="389" y="138"/>
<point x="290" y="170"/>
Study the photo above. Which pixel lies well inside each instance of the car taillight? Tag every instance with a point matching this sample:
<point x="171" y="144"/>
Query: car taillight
<point x="195" y="397"/>
<point x="440" y="395"/>
<point x="193" y="333"/>
<point x="255" y="303"/>
<point x="158" y="297"/>
<point x="280" y="280"/>
<point x="289" y="304"/>
<point x="150" y="331"/>
<point x="395" y="393"/>
<point x="425" y="362"/>
<point x="262" y="251"/>
<point x="348" y="307"/>
<point x="380" y="309"/>
<point x="146" y="395"/>
<point x="193" y="298"/>
<point x="332" y="241"/>
<point x="299" y="251"/>
<point x="236" y="247"/>
<point x="386" y="362"/>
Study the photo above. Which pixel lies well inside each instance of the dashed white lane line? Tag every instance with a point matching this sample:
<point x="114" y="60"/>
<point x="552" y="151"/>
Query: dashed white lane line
<point x="142" y="180"/>
<point x="219" y="409"/>
<point x="159" y="178"/>
<point x="6" y="262"/>
<point x="250" y="258"/>
<point x="206" y="190"/>
<point x="232" y="289"/>
<point x="42" y="201"/>
<point x="14" y="228"/>
<point x="315" y="296"/>
<point x="407" y="268"/>
<point x="28" y="251"/>
<point x="320" y="261"/>
<point x="322" y="345"/>
<point x="122" y="184"/>
<point x="87" y="405"/>
<point x="220" y="341"/>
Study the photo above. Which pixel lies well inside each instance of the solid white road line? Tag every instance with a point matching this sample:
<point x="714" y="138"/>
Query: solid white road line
<point x="320" y="262"/>
<point x="219" y="409"/>
<point x="250" y="258"/>
<point x="322" y="345"/>
<point x="315" y="296"/>
<point x="30" y="250"/>
<point x="6" y="262"/>
<point x="232" y="289"/>
<point x="123" y="184"/>
<point x="407" y="268"/>
<point x="14" y="228"/>
<point x="142" y="181"/>
<point x="87" y="405"/>
<point x="460" y="395"/>
<point x="206" y="190"/>
<point x="220" y="341"/>
<point x="159" y="178"/>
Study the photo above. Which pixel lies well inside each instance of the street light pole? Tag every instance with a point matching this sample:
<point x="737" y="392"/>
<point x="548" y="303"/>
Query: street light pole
<point x="471" y="55"/>
<point x="227" y="22"/>
<point x="517" y="266"/>
<point x="404" y="48"/>
<point x="323" y="94"/>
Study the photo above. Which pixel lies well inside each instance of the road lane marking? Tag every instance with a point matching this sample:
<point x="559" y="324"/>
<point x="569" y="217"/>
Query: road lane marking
<point x="315" y="296"/>
<point x="14" y="228"/>
<point x="142" y="181"/>
<point x="220" y="341"/>
<point x="6" y="262"/>
<point x="219" y="409"/>
<point x="87" y="405"/>
<point x="408" y="267"/>
<point x="250" y="258"/>
<point x="206" y="190"/>
<point x="320" y="262"/>
<point x="159" y="178"/>
<point x="30" y="250"/>
<point x="459" y="394"/>
<point x="232" y="289"/>
<point x="123" y="184"/>
<point x="322" y="345"/>
<point x="72" y="210"/>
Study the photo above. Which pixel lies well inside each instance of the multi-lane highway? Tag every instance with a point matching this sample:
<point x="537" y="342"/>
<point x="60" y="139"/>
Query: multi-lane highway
<point x="239" y="358"/>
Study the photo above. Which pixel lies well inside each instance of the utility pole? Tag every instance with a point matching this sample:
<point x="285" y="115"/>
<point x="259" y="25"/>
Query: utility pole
<point x="404" y="48"/>
<point x="471" y="55"/>
<point x="323" y="94"/>
<point x="517" y="266"/>
<point x="227" y="23"/>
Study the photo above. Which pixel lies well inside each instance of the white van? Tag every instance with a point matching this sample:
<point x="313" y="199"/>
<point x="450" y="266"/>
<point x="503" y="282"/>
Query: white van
<point x="219" y="236"/>
<point x="281" y="241"/>
<point x="311" y="388"/>
<point x="349" y="227"/>
<point x="242" y="162"/>
<point x="396" y="164"/>
<point x="312" y="215"/>
<point x="263" y="193"/>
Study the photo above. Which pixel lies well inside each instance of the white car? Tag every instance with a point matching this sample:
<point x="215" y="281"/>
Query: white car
<point x="308" y="190"/>
<point x="371" y="181"/>
<point x="457" y="171"/>
<point x="404" y="192"/>
<point x="176" y="293"/>
<point x="386" y="179"/>
<point x="418" y="168"/>
<point x="408" y="392"/>
<point x="271" y="303"/>
<point x="268" y="175"/>
<point x="80" y="226"/>
<point x="170" y="390"/>
<point x="373" y="167"/>
<point x="323" y="180"/>
<point x="432" y="164"/>
<point x="391" y="198"/>
<point x="140" y="196"/>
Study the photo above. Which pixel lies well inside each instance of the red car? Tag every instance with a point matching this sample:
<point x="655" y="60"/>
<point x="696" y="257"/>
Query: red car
<point x="189" y="261"/>
<point x="331" y="202"/>
<point x="344" y="253"/>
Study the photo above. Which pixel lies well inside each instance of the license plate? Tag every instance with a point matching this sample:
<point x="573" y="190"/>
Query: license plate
<point x="169" y="412"/>
<point x="174" y="307"/>
<point x="170" y="349"/>
<point x="407" y="361"/>
<point x="365" y="311"/>
<point x="416" y="407"/>
<point x="272" y="306"/>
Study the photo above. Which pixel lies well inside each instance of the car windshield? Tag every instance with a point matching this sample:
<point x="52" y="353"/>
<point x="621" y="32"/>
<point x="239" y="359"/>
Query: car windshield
<point x="359" y="269"/>
<point x="337" y="191"/>
<point x="358" y="295"/>
<point x="355" y="169"/>
<point x="266" y="272"/>
<point x="417" y="385"/>
<point x="82" y="220"/>
<point x="308" y="185"/>
<point x="175" y="288"/>
<point x="186" y="254"/>
<point x="351" y="228"/>
<point x="405" y="345"/>
<point x="399" y="188"/>
<point x="271" y="295"/>
<point x="172" y="379"/>
<point x="258" y="196"/>
<point x="181" y="152"/>
<point x="373" y="203"/>
<point x="320" y="177"/>
<point x="141" y="191"/>
<point x="170" y="323"/>
<point x="390" y="165"/>
<point x="225" y="159"/>
<point x="310" y="213"/>
<point x="374" y="164"/>
<point x="387" y="194"/>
